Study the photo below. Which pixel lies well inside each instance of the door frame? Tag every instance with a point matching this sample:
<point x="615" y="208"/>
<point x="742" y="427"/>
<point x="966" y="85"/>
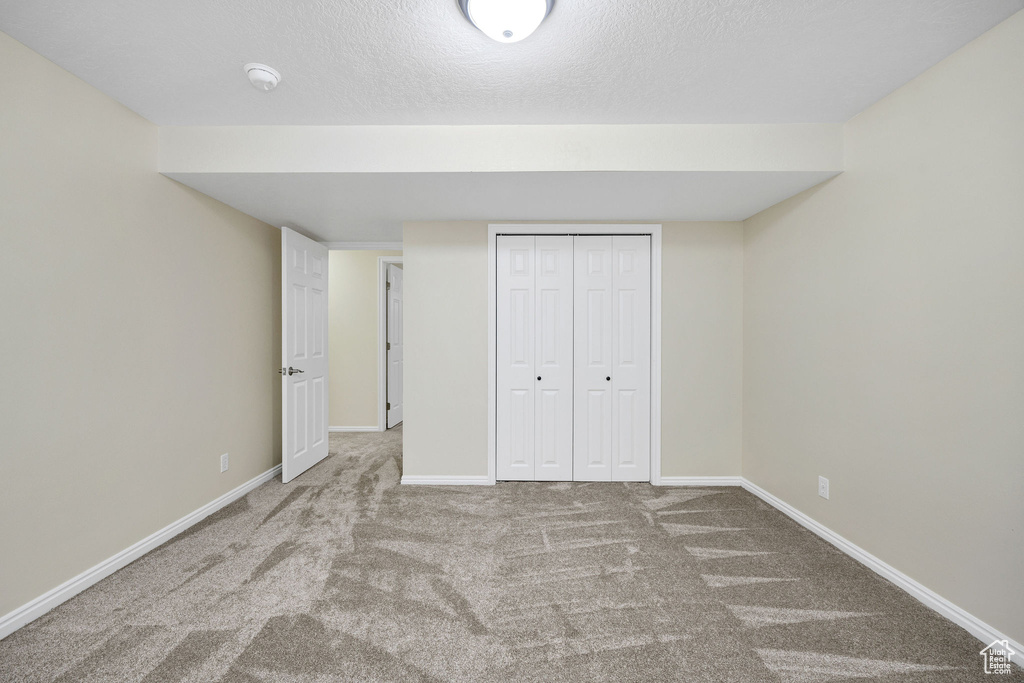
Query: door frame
<point x="493" y="230"/>
<point x="382" y="338"/>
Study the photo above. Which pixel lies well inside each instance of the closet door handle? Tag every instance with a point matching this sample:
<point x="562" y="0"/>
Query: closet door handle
<point x="608" y="379"/>
<point x="538" y="378"/>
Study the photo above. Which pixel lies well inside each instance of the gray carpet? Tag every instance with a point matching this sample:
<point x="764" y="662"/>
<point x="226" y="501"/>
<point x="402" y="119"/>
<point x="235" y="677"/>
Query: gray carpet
<point x="343" y="575"/>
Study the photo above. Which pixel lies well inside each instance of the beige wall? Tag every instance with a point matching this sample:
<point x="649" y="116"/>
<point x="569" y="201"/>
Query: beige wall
<point x="445" y="412"/>
<point x="446" y="352"/>
<point x="701" y="148"/>
<point x="352" y="335"/>
<point x="884" y="334"/>
<point x="701" y="349"/>
<point x="140" y="333"/>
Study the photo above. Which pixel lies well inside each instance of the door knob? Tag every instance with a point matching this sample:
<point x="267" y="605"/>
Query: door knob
<point x="608" y="379"/>
<point x="538" y="378"/>
<point x="293" y="371"/>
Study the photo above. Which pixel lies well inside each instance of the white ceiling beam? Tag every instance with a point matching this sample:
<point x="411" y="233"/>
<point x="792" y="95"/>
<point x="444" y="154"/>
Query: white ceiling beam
<point x="542" y="148"/>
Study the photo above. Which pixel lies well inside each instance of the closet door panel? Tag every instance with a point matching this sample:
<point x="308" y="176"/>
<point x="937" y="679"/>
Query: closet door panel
<point x="631" y="358"/>
<point x="592" y="417"/>
<point x="554" y="358"/>
<point x="516" y="349"/>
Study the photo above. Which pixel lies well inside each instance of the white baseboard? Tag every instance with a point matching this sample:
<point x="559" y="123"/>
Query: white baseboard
<point x="355" y="429"/>
<point x="30" y="611"/>
<point x="441" y="480"/>
<point x="970" y="623"/>
<point x="700" y="481"/>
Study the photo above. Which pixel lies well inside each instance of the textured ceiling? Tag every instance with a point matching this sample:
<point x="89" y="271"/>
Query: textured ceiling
<point x="356" y="207"/>
<point x="421" y="62"/>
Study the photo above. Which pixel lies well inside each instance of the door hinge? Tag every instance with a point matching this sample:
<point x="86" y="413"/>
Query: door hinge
<point x="389" y="405"/>
<point x="389" y="346"/>
<point x="387" y="285"/>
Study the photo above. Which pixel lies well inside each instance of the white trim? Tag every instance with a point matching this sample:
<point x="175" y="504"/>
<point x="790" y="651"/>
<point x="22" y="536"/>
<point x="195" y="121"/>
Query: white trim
<point x="363" y="246"/>
<point x="442" y="480"/>
<point x="492" y="352"/>
<point x="700" y="481"/>
<point x="382" y="338"/>
<point x="652" y="229"/>
<point x="374" y="428"/>
<point x="970" y="623"/>
<point x="30" y="611"/>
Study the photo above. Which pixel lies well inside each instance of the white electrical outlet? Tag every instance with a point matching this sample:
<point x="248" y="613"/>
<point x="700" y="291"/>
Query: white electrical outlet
<point x="823" y="487"/>
<point x="224" y="463"/>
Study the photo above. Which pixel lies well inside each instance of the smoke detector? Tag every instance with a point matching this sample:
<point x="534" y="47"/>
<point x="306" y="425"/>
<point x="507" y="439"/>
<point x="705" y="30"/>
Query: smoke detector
<point x="262" y="76"/>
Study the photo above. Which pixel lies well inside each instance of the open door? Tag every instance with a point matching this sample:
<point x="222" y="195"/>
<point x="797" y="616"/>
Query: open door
<point x="395" y="345"/>
<point x="304" y="353"/>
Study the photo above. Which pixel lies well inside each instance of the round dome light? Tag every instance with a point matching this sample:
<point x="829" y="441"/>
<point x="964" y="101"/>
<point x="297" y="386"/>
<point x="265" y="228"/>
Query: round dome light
<point x="507" y="21"/>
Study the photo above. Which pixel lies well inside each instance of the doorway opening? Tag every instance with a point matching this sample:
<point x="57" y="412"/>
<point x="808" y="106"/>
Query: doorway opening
<point x="390" y="342"/>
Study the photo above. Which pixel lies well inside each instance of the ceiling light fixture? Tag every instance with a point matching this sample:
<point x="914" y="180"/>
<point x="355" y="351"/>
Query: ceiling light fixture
<point x="507" y="21"/>
<point x="262" y="76"/>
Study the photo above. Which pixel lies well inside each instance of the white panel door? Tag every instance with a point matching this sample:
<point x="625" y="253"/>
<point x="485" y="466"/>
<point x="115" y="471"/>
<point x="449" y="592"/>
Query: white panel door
<point x="395" y="345"/>
<point x="631" y="358"/>
<point x="553" y="358"/>
<point x="304" y="352"/>
<point x="516" y="346"/>
<point x="592" y="415"/>
<point x="612" y="416"/>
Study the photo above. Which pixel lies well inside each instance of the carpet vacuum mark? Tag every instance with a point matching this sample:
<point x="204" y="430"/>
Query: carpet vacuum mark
<point x="343" y="575"/>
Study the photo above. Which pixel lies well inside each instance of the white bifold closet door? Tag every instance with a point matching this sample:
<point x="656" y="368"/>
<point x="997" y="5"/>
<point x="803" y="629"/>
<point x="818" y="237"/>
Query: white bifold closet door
<point x="612" y="415"/>
<point x="534" y="357"/>
<point x="573" y="358"/>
